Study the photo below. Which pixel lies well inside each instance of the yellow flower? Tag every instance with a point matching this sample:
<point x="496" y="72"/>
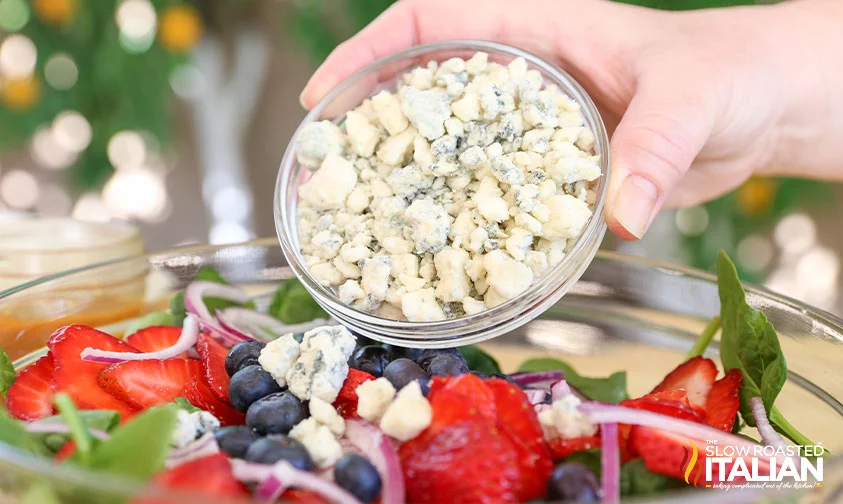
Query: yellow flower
<point x="54" y="11"/>
<point x="180" y="28"/>
<point x="755" y="197"/>
<point x="20" y="94"/>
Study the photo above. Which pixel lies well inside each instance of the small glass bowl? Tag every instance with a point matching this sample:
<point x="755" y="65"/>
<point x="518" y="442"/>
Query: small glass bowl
<point x="496" y="321"/>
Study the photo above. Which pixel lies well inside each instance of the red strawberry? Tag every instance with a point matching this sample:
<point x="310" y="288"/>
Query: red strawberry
<point x="518" y="421"/>
<point x="65" y="452"/>
<point x="155" y="338"/>
<point x="461" y="458"/>
<point x="78" y="378"/>
<point x="472" y="387"/>
<point x="201" y="396"/>
<point x="695" y="377"/>
<point x="147" y="383"/>
<point x="346" y="402"/>
<point x="210" y="475"/>
<point x="721" y="408"/>
<point x="672" y="403"/>
<point x="213" y="355"/>
<point x="31" y="397"/>
<point x="302" y="496"/>
<point x="561" y="447"/>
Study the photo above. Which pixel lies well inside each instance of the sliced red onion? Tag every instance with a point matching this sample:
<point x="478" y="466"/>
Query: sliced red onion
<point x="372" y="442"/>
<point x="610" y="463"/>
<point x="202" y="447"/>
<point x="252" y="324"/>
<point x="250" y="472"/>
<point x="559" y="390"/>
<point x="535" y="396"/>
<point x="762" y="423"/>
<point x="189" y="335"/>
<point x="194" y="303"/>
<point x="60" y="428"/>
<point x="274" y="480"/>
<point x="533" y="378"/>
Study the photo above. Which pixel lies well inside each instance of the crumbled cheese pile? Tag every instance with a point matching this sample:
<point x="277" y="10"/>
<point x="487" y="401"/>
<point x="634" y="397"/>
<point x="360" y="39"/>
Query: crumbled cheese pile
<point x="448" y="196"/>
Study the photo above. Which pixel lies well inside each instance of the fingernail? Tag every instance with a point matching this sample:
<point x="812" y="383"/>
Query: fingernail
<point x="301" y="101"/>
<point x="635" y="203"/>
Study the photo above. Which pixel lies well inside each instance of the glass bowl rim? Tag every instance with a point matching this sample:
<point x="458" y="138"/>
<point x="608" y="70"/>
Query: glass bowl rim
<point x="132" y="233"/>
<point x="548" y="282"/>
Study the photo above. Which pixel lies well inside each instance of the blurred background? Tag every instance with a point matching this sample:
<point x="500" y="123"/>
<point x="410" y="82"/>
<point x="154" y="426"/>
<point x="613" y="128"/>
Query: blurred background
<point x="174" y="115"/>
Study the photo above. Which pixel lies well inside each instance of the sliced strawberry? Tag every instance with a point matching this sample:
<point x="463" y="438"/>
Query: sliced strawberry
<point x="147" y="383"/>
<point x="346" y="402"/>
<point x="695" y="377"/>
<point x="213" y="355"/>
<point x="721" y="408"/>
<point x="471" y="387"/>
<point x="562" y="447"/>
<point x="155" y="338"/>
<point x="31" y="397"/>
<point x="461" y="458"/>
<point x="518" y="421"/>
<point x="674" y="403"/>
<point x="209" y="475"/>
<point x="78" y="378"/>
<point x="303" y="497"/>
<point x="65" y="452"/>
<point x="201" y="396"/>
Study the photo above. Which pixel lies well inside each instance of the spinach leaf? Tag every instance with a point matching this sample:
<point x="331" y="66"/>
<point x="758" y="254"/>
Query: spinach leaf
<point x="479" y="361"/>
<point x="159" y="318"/>
<point x="635" y="478"/>
<point x="139" y="448"/>
<point x="185" y="405"/>
<point x="14" y="434"/>
<point x="40" y="493"/>
<point x="104" y="420"/>
<point x="78" y="430"/>
<point x="292" y="304"/>
<point x="611" y="389"/>
<point x="704" y="339"/>
<point x="207" y="274"/>
<point x="7" y="372"/>
<point x="749" y="342"/>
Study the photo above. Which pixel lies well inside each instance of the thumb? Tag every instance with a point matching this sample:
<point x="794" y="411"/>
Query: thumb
<point x="652" y="148"/>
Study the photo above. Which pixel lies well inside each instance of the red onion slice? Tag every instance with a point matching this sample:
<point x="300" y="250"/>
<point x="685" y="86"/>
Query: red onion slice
<point x="762" y="423"/>
<point x="252" y="324"/>
<point x="189" y="335"/>
<point x="559" y="390"/>
<point x="535" y="396"/>
<point x="60" y="428"/>
<point x="250" y="472"/>
<point x="372" y="442"/>
<point x="274" y="480"/>
<point x="610" y="463"/>
<point x="531" y="378"/>
<point x="194" y="303"/>
<point x="202" y="447"/>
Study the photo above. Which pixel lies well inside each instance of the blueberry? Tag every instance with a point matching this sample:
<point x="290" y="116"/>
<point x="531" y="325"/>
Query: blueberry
<point x="503" y="376"/>
<point x="371" y="359"/>
<point x="275" y="414"/>
<point x="447" y="365"/>
<point x="271" y="449"/>
<point x="242" y="354"/>
<point x="235" y="440"/>
<point x="426" y="356"/>
<point x="356" y="474"/>
<point x="410" y="353"/>
<point x="572" y="482"/>
<point x="250" y="384"/>
<point x="480" y="375"/>
<point x="402" y="371"/>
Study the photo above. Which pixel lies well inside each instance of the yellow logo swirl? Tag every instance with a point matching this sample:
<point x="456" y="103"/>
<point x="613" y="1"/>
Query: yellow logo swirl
<point x="691" y="463"/>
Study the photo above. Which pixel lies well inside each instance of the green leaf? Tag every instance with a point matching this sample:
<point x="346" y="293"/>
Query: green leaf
<point x="40" y="493"/>
<point x="7" y="372"/>
<point x="185" y="405"/>
<point x="78" y="430"/>
<point x="479" y="361"/>
<point x="749" y="343"/>
<point x="177" y="309"/>
<point x="292" y="304"/>
<point x="636" y="479"/>
<point x="611" y="389"/>
<point x="104" y="420"/>
<point x="705" y="339"/>
<point x="209" y="274"/>
<point x="13" y="433"/>
<point x="139" y="448"/>
<point x="159" y="318"/>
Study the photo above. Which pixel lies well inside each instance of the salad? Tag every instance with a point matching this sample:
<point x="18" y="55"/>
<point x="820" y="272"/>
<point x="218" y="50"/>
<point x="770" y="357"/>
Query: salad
<point x="217" y="397"/>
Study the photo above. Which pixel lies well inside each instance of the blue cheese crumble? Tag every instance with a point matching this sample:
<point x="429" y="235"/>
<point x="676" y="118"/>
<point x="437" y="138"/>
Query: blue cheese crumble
<point x="445" y="196"/>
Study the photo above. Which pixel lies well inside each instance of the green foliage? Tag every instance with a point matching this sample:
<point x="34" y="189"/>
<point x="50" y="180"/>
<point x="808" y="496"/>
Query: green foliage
<point x="104" y="420"/>
<point x="185" y="405"/>
<point x="7" y="372"/>
<point x="479" y="361"/>
<point x="611" y="389"/>
<point x="292" y="304"/>
<point x="635" y="478"/>
<point x="159" y="318"/>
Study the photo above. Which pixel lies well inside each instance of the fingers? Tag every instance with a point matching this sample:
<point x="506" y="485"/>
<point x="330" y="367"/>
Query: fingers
<point x="652" y="148"/>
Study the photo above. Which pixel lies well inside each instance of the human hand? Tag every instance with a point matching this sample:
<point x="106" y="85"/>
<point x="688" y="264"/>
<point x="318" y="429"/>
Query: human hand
<point x="696" y="101"/>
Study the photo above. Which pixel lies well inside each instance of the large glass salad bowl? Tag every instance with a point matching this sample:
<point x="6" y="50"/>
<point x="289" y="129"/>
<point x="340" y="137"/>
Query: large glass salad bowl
<point x="625" y="314"/>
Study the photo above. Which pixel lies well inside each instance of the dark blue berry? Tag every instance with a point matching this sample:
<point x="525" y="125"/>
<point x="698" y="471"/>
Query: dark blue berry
<point x="402" y="371"/>
<point x="572" y="482"/>
<point x="242" y="354"/>
<point x="480" y="375"/>
<point x="447" y="365"/>
<point x="250" y="384"/>
<point x="426" y="356"/>
<point x="356" y="474"/>
<point x="271" y="449"/>
<point x="409" y="353"/>
<point x="503" y="376"/>
<point x="235" y="440"/>
<point x="298" y="337"/>
<point x="371" y="359"/>
<point x="276" y="413"/>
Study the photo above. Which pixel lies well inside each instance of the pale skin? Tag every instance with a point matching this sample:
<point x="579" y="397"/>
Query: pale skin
<point x="696" y="102"/>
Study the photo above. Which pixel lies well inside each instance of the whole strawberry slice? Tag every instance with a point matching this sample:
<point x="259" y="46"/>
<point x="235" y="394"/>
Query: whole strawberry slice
<point x="210" y="475"/>
<point x="31" y="397"/>
<point x="518" y="421"/>
<point x="78" y="378"/>
<point x="201" y="396"/>
<point x="147" y="383"/>
<point x="155" y="338"/>
<point x="213" y="354"/>
<point x="695" y="376"/>
<point x="721" y="408"/>
<point x="472" y="387"/>
<point x="346" y="401"/>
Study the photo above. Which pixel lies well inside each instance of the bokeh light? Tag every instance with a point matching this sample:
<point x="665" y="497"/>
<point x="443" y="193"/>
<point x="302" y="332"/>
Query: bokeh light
<point x="126" y="150"/>
<point x="17" y="57"/>
<point x="72" y="131"/>
<point x="91" y="208"/>
<point x="795" y="233"/>
<point x="228" y="232"/>
<point x="14" y="14"/>
<point x="755" y="253"/>
<point x="19" y="189"/>
<point x="61" y="72"/>
<point x="231" y="204"/>
<point x="187" y="81"/>
<point x="135" y="193"/>
<point x="53" y="201"/>
<point x="136" y="19"/>
<point x="692" y="221"/>
<point x="48" y="152"/>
